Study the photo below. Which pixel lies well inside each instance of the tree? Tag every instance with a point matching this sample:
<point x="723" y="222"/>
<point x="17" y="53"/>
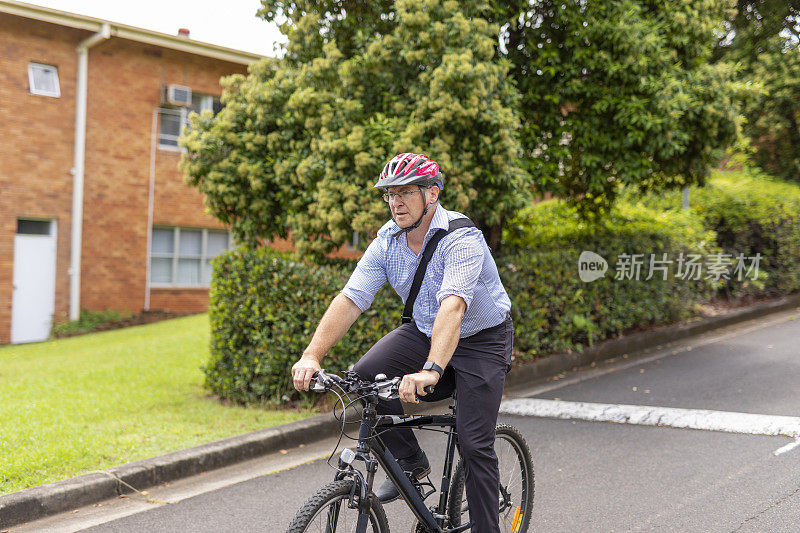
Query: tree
<point x="752" y="29"/>
<point x="298" y="149"/>
<point x="763" y="37"/>
<point x="618" y="92"/>
<point x="568" y="97"/>
<point x="773" y="116"/>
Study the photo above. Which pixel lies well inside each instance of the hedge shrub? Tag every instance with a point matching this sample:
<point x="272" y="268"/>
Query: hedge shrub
<point x="750" y="213"/>
<point x="554" y="310"/>
<point x="264" y="306"/>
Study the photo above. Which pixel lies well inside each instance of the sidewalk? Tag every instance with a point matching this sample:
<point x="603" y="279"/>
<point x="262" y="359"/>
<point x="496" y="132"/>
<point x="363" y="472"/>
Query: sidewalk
<point x="38" y="502"/>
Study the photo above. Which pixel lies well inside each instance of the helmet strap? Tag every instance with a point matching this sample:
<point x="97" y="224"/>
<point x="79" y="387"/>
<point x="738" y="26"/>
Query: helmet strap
<point x="416" y="224"/>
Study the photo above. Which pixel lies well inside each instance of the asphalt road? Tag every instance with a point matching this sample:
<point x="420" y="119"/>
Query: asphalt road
<point x="590" y="476"/>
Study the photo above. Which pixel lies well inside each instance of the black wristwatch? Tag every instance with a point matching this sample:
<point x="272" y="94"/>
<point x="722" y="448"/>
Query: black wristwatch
<point x="430" y="365"/>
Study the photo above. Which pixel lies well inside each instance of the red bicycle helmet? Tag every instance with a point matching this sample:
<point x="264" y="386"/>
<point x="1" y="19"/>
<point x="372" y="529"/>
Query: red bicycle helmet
<point x="410" y="169"/>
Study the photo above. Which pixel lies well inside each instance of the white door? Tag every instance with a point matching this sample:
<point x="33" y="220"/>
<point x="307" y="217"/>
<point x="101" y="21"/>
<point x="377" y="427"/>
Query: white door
<point x="33" y="303"/>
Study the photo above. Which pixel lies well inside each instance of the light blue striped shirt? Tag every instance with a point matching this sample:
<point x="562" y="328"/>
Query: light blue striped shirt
<point x="462" y="265"/>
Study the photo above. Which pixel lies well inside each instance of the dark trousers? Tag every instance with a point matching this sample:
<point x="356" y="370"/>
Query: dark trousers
<point x="477" y="372"/>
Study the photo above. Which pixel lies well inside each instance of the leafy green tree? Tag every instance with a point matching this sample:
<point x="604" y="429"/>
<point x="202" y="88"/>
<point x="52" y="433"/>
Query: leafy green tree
<point x="569" y="97"/>
<point x="774" y="114"/>
<point x="618" y="92"/>
<point x="297" y="150"/>
<point x="753" y="26"/>
<point x="763" y="38"/>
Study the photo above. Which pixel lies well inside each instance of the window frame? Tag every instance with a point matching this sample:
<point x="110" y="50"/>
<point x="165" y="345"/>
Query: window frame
<point x="175" y="256"/>
<point x="206" y="104"/>
<point x="183" y="114"/>
<point x="32" y="66"/>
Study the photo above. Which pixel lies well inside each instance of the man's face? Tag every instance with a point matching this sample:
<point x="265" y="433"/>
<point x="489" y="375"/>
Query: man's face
<point x="407" y="204"/>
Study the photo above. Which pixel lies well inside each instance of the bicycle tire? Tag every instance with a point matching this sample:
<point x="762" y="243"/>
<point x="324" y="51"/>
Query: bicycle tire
<point x="328" y="496"/>
<point x="510" y="440"/>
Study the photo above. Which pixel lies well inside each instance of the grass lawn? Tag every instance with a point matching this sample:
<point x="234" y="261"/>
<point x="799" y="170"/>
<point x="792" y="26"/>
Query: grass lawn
<point x="87" y="403"/>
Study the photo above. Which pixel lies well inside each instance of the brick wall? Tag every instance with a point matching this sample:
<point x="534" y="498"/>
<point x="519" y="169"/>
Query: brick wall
<point x="125" y="81"/>
<point x="179" y="300"/>
<point x="37" y="139"/>
<point x="36" y="136"/>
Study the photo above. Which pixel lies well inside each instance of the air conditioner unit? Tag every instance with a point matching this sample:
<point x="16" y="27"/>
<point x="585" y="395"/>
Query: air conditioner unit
<point x="178" y="95"/>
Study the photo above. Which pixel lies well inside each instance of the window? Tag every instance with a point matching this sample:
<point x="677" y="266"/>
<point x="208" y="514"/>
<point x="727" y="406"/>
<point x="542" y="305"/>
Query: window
<point x="34" y="227"/>
<point x="170" y="124"/>
<point x="182" y="256"/>
<point x="43" y="80"/>
<point x="173" y="119"/>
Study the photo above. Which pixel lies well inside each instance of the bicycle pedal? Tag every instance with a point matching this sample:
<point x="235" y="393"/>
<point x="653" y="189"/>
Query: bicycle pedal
<point x="423" y="486"/>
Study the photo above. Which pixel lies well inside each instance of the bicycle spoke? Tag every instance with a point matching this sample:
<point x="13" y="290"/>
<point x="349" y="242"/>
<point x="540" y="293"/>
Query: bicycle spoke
<point x="336" y="518"/>
<point x="333" y="517"/>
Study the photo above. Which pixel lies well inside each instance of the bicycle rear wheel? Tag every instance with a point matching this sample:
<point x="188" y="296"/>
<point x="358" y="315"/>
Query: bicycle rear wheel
<point x="327" y="512"/>
<point x="516" y="483"/>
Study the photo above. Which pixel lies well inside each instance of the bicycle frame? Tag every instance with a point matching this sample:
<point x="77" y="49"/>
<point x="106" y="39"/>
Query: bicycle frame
<point x="371" y="446"/>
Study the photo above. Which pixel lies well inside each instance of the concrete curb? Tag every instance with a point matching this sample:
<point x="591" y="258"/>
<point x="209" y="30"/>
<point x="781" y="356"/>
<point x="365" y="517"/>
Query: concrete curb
<point x="53" y="498"/>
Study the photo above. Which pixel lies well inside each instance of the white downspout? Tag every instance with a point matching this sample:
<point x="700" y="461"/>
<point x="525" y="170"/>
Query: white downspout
<point x="150" y="203"/>
<point x="77" y="169"/>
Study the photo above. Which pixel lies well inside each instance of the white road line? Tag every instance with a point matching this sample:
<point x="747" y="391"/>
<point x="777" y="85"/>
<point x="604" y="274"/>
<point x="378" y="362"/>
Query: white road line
<point x="730" y="422"/>
<point x="788" y="447"/>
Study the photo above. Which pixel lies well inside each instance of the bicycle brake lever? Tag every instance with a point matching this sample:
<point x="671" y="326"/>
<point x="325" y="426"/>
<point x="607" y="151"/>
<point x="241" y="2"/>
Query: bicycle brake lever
<point x="389" y="389"/>
<point x="320" y="381"/>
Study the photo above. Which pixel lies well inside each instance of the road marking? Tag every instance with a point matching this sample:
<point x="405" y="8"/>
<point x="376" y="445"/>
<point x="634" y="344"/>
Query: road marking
<point x="754" y="424"/>
<point x="788" y="447"/>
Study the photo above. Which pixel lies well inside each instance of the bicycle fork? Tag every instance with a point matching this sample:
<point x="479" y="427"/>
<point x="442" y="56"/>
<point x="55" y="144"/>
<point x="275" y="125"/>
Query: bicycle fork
<point x="360" y="484"/>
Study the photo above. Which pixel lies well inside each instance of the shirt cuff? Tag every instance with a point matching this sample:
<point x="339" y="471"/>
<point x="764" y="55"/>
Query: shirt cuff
<point x="467" y="297"/>
<point x="360" y="298"/>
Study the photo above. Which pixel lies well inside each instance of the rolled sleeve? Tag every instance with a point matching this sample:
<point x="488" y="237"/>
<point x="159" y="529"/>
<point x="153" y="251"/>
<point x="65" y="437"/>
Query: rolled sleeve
<point x="463" y="261"/>
<point x="368" y="277"/>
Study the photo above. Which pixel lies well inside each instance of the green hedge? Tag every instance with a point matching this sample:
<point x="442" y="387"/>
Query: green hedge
<point x="554" y="310"/>
<point x="750" y="213"/>
<point x="264" y="306"/>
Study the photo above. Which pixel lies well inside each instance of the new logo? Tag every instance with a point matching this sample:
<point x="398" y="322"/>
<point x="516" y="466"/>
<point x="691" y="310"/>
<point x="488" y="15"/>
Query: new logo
<point x="591" y="266"/>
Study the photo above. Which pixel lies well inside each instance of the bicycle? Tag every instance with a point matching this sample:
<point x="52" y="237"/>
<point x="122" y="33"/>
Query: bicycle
<point x="348" y="504"/>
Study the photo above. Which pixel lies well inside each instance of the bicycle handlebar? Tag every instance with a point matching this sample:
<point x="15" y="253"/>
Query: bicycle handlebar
<point x="385" y="389"/>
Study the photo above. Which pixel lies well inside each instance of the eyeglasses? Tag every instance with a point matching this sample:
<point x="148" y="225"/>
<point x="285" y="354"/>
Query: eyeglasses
<point x="404" y="196"/>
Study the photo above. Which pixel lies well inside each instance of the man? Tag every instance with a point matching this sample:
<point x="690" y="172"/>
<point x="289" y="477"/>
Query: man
<point x="460" y="336"/>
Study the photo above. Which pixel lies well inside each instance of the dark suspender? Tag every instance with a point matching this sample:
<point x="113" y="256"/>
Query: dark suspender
<point x="427" y="253"/>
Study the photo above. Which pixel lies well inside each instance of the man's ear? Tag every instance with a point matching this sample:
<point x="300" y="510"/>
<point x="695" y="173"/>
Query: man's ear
<point x="435" y="194"/>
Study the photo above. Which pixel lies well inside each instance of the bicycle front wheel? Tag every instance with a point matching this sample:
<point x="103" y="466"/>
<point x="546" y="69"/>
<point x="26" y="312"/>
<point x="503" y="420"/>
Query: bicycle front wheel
<point x="515" y="497"/>
<point x="327" y="512"/>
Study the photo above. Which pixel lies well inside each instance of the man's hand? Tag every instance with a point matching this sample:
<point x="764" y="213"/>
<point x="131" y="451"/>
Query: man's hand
<point x="413" y="385"/>
<point x="302" y="372"/>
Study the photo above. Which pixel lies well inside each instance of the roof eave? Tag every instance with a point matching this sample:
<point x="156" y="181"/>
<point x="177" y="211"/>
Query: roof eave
<point x="130" y="33"/>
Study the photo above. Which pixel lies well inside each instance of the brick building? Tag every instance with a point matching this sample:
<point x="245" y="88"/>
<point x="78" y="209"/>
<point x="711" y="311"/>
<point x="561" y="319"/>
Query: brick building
<point x="143" y="238"/>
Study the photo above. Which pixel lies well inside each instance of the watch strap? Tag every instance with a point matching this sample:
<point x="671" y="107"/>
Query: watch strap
<point x="430" y="365"/>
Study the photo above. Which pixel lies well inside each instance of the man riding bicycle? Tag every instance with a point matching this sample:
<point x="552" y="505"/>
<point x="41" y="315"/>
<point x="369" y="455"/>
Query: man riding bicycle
<point x="458" y="336"/>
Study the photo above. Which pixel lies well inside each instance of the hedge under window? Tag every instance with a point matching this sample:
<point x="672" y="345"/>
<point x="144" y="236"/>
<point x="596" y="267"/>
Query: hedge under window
<point x="181" y="257"/>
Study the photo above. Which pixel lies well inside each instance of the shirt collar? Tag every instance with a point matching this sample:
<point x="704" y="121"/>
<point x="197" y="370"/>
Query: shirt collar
<point x="440" y="219"/>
